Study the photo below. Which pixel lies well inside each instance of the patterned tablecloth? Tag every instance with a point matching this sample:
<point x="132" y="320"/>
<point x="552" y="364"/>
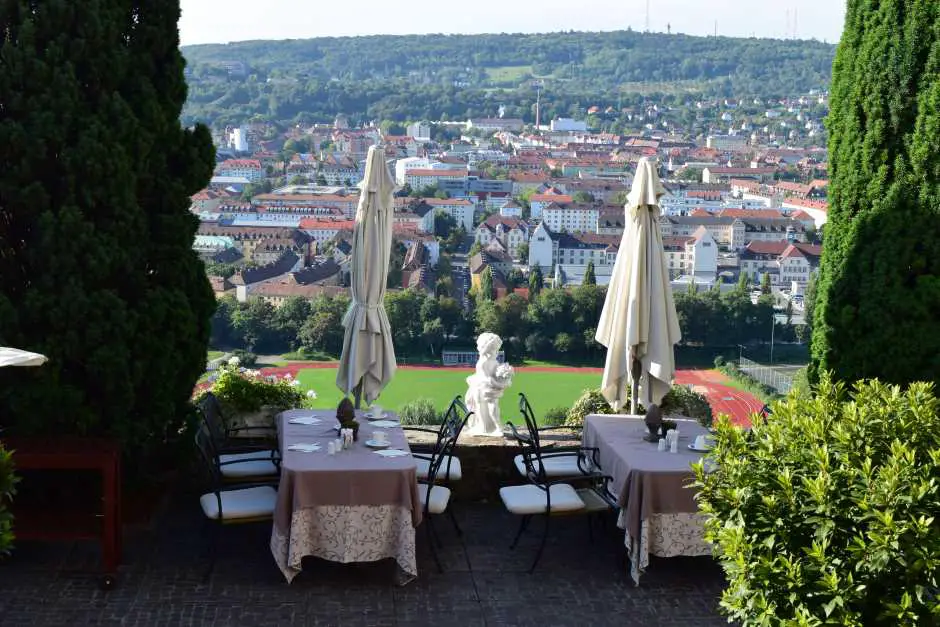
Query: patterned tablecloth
<point x="354" y="506"/>
<point x="658" y="512"/>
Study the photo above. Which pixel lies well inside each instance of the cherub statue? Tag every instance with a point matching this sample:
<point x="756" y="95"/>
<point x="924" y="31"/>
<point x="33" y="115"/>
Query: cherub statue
<point x="486" y="387"/>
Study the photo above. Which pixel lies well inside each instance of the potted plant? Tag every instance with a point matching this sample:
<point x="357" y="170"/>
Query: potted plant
<point x="251" y="399"/>
<point x="346" y="415"/>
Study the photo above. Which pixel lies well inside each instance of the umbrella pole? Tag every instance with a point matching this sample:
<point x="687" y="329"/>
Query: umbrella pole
<point x="357" y="394"/>
<point x="636" y="371"/>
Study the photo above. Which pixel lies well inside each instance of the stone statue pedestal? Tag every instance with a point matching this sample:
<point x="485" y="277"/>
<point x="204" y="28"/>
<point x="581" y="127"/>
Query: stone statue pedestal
<point x="485" y="387"/>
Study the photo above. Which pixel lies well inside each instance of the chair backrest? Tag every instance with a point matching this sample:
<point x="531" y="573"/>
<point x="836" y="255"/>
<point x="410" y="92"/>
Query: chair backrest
<point x="529" y="417"/>
<point x="208" y="455"/>
<point x="455" y="418"/>
<point x="446" y="443"/>
<point x="211" y="411"/>
<point x="530" y="443"/>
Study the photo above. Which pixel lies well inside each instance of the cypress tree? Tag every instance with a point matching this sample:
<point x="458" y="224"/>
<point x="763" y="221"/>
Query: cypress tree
<point x="879" y="287"/>
<point x="486" y="284"/>
<point x="535" y="283"/>
<point x="589" y="277"/>
<point x="96" y="263"/>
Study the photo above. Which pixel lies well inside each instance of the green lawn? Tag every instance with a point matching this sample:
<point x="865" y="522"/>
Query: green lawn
<point x="545" y="390"/>
<point x="213" y="355"/>
<point x="508" y="73"/>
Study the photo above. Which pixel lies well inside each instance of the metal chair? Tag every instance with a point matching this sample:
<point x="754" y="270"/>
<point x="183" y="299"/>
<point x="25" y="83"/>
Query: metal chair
<point x="434" y="496"/>
<point x="455" y="417"/>
<point x="556" y="461"/>
<point x="229" y="503"/>
<point x="242" y="459"/>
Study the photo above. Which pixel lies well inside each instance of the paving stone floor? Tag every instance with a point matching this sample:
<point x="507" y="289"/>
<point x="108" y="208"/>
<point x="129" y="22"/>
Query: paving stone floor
<point x="162" y="581"/>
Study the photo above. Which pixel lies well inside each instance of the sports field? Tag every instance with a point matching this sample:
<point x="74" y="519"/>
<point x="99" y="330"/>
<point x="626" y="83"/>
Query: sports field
<point x="545" y="390"/>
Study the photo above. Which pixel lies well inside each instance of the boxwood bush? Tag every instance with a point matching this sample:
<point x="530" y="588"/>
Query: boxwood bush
<point x="7" y="489"/>
<point x="419" y="412"/>
<point x="828" y="513"/>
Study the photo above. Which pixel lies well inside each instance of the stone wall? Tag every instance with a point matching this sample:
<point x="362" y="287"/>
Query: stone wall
<point x="487" y="463"/>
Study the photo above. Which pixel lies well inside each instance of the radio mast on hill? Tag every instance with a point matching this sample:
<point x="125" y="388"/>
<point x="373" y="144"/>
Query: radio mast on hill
<point x="647" y="16"/>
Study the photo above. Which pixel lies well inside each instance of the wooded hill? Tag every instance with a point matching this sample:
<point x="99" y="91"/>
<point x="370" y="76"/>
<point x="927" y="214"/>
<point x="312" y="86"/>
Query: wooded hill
<point x="435" y="76"/>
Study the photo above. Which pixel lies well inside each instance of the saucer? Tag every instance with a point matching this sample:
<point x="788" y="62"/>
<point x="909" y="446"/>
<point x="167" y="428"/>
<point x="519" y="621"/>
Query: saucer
<point x="377" y="444"/>
<point x="372" y="416"/>
<point x="699" y="450"/>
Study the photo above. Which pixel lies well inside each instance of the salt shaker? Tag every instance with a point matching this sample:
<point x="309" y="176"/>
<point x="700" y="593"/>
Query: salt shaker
<point x="662" y="444"/>
<point x="331" y="448"/>
<point x="674" y="444"/>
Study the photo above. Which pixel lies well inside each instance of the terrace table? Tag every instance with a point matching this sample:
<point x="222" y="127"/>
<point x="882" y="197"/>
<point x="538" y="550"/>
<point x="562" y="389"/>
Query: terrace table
<point x="354" y="506"/>
<point x="657" y="511"/>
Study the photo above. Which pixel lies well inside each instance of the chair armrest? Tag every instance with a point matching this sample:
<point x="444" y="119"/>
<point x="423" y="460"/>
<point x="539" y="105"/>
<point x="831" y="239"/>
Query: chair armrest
<point x="272" y="428"/>
<point x="422" y="456"/>
<point x="262" y="458"/>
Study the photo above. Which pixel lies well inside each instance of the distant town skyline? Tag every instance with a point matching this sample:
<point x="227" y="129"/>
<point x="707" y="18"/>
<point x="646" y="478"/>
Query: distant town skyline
<point x="221" y="21"/>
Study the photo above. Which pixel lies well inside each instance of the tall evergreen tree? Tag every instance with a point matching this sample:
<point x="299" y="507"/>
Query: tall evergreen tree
<point x="486" y="284"/>
<point x="589" y="276"/>
<point x="96" y="263"/>
<point x="535" y="283"/>
<point x="879" y="286"/>
<point x="765" y="284"/>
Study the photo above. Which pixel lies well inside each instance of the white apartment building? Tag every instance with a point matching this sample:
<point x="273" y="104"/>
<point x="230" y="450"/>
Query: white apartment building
<point x="570" y="218"/>
<point x="248" y="168"/>
<point x="726" y="142"/>
<point x="548" y="248"/>
<point x="510" y="232"/>
<point x="410" y="163"/>
<point x="460" y="209"/>
<point x="423" y="177"/>
<point x="420" y="131"/>
<point x="694" y="255"/>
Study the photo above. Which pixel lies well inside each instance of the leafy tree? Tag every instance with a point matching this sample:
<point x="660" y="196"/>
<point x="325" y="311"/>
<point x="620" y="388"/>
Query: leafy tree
<point x="321" y="179"/>
<point x="620" y="198"/>
<point x="589" y="276"/>
<point x="582" y="197"/>
<point x="474" y="249"/>
<point x="444" y="224"/>
<point x="323" y="329"/>
<point x="253" y="324"/>
<point x="433" y="334"/>
<point x="96" y="266"/>
<point x="486" y="284"/>
<point x="522" y="253"/>
<point x="297" y="179"/>
<point x="289" y="318"/>
<point x="396" y="261"/>
<point x="879" y="285"/>
<point x="744" y="282"/>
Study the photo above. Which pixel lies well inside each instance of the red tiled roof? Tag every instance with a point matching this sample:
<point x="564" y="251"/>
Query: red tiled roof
<point x="767" y="214"/>
<point x="426" y="172"/>
<point x="241" y="163"/>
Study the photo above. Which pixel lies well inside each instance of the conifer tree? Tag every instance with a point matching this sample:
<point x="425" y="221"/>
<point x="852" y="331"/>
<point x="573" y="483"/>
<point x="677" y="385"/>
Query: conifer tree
<point x="589" y="277"/>
<point x="486" y="284"/>
<point x="96" y="263"/>
<point x="879" y="285"/>
<point x="535" y="283"/>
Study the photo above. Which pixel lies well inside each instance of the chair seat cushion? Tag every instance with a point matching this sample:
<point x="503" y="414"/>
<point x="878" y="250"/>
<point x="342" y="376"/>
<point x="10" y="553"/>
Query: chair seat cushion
<point x="238" y="504"/>
<point x="258" y="464"/>
<point x="555" y="467"/>
<point x="439" y="497"/>
<point x="530" y="499"/>
<point x="442" y="475"/>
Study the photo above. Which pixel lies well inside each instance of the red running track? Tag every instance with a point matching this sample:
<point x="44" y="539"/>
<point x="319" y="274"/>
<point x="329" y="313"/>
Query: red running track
<point x="723" y="398"/>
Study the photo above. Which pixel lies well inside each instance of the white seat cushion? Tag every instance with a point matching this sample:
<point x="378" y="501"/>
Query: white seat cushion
<point x="236" y="504"/>
<point x="555" y="467"/>
<point x="439" y="495"/>
<point x="455" y="470"/>
<point x="260" y="464"/>
<point x="530" y="499"/>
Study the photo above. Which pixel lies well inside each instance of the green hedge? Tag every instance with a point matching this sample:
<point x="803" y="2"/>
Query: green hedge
<point x="827" y="512"/>
<point x="7" y="490"/>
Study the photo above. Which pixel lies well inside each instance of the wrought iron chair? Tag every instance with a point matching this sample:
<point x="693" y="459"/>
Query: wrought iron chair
<point x="241" y="459"/>
<point x="552" y="495"/>
<point x="434" y="496"/>
<point x="455" y="417"/>
<point x="556" y="461"/>
<point x="229" y="503"/>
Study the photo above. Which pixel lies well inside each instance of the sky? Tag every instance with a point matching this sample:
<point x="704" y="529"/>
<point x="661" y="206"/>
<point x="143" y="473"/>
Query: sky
<point x="220" y="21"/>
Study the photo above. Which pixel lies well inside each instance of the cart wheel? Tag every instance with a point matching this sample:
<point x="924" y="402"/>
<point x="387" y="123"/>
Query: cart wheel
<point x="107" y="582"/>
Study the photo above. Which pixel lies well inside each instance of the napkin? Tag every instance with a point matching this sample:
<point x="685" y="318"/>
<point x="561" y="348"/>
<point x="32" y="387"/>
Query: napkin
<point x="383" y="423"/>
<point x="391" y="452"/>
<point x="304" y="420"/>
<point x="304" y="448"/>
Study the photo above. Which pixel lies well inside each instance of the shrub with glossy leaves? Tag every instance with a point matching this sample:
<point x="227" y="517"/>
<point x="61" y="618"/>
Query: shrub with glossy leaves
<point x="590" y="402"/>
<point x="827" y="513"/>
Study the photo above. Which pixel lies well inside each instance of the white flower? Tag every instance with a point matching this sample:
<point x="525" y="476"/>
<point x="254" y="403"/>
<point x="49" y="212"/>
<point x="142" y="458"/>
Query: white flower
<point x="288" y="376"/>
<point x="295" y="383"/>
<point x="311" y="394"/>
<point x="234" y="361"/>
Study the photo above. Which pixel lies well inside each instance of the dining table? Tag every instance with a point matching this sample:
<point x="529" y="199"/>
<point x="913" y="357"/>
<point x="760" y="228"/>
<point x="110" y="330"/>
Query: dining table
<point x="359" y="504"/>
<point x="658" y="510"/>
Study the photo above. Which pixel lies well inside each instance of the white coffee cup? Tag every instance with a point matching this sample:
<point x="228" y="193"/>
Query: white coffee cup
<point x="379" y="436"/>
<point x="700" y="442"/>
<point x="377" y="411"/>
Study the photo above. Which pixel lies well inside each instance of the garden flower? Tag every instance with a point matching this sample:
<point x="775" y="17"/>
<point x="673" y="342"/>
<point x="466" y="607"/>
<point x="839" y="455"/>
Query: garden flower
<point x="311" y="394"/>
<point x="234" y="361"/>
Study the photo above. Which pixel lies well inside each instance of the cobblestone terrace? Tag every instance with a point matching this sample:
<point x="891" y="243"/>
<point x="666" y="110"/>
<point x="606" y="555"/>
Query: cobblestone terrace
<point x="161" y="582"/>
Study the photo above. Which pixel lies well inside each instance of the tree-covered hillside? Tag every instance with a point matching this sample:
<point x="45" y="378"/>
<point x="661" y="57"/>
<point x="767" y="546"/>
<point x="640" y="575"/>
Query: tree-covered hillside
<point x="435" y="76"/>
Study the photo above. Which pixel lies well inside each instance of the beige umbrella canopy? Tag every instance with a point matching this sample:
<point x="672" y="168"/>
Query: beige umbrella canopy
<point x="368" y="360"/>
<point x="639" y="325"/>
<point x="16" y="357"/>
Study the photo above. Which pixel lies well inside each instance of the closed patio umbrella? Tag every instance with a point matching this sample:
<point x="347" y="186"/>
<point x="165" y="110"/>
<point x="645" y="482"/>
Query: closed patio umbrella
<point x="16" y="357"/>
<point x="368" y="360"/>
<point x="638" y="324"/>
